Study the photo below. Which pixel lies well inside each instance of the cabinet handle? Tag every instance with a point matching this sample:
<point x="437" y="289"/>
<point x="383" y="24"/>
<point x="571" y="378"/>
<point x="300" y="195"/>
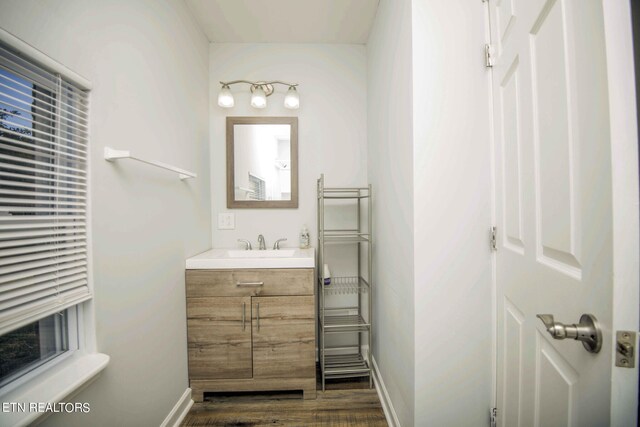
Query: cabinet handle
<point x="258" y="315"/>
<point x="249" y="283"/>
<point x="244" y="311"/>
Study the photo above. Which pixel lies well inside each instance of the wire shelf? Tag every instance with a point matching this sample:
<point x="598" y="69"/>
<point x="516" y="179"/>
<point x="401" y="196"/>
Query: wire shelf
<point x="345" y="196"/>
<point x="346" y="238"/>
<point x="345" y="286"/>
<point x="325" y="193"/>
<point x="345" y="366"/>
<point x="348" y="323"/>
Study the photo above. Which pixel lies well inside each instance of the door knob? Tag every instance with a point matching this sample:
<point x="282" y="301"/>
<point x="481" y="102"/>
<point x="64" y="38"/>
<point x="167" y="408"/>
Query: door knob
<point x="588" y="331"/>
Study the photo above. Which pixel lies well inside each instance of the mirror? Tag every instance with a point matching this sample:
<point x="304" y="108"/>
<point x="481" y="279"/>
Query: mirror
<point x="262" y="162"/>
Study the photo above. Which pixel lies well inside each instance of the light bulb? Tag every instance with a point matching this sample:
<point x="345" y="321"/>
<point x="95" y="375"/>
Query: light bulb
<point x="258" y="97"/>
<point x="225" y="98"/>
<point x="292" y="99"/>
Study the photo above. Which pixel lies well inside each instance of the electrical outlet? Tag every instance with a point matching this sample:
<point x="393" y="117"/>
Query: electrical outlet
<point x="226" y="221"/>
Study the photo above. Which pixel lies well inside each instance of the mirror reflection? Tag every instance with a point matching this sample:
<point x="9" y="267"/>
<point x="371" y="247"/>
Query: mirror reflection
<point x="262" y="169"/>
<point x="262" y="156"/>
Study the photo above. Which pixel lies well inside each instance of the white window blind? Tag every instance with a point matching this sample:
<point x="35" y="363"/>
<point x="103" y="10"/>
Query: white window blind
<point x="257" y="188"/>
<point x="43" y="192"/>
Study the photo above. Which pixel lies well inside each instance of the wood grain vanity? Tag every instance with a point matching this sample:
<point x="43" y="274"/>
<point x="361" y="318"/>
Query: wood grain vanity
<point x="251" y="330"/>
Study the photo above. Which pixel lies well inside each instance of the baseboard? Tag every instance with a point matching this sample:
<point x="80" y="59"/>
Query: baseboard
<point x="179" y="411"/>
<point x="387" y="406"/>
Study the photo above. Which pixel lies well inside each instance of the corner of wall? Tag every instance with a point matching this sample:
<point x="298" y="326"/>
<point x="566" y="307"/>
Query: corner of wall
<point x="390" y="169"/>
<point x="452" y="192"/>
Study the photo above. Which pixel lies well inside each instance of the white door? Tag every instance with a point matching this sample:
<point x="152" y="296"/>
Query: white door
<point x="553" y="209"/>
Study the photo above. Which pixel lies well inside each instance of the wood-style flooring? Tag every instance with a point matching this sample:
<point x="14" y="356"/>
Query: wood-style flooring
<point x="344" y="403"/>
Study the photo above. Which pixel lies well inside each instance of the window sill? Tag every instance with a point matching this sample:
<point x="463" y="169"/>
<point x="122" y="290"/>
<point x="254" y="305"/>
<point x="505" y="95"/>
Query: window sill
<point x="54" y="386"/>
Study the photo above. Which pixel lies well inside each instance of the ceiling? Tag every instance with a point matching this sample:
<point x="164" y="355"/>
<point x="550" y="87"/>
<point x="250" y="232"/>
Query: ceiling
<point x="285" y="21"/>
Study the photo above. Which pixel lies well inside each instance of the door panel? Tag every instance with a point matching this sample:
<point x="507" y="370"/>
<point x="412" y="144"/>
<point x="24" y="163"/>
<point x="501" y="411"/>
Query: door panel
<point x="513" y="363"/>
<point x="557" y="184"/>
<point x="219" y="345"/>
<point x="283" y="337"/>
<point x="506" y="17"/>
<point x="555" y="387"/>
<point x="553" y="209"/>
<point x="511" y="166"/>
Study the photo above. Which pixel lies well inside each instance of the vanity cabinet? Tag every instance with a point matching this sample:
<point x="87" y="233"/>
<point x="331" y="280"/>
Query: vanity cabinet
<point x="251" y="330"/>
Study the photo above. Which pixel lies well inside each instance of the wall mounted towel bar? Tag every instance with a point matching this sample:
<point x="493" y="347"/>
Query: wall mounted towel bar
<point x="111" y="155"/>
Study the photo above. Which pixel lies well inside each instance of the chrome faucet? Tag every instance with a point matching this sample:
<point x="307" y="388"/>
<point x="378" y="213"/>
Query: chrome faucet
<point x="276" y="245"/>
<point x="261" y="244"/>
<point x="247" y="244"/>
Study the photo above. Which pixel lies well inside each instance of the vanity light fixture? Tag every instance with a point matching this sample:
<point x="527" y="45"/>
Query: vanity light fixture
<point x="225" y="98"/>
<point x="259" y="93"/>
<point x="258" y="97"/>
<point x="292" y="99"/>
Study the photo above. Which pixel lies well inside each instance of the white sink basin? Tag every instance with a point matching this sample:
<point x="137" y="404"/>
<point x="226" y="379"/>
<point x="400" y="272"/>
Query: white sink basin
<point x="269" y="253"/>
<point x="222" y="259"/>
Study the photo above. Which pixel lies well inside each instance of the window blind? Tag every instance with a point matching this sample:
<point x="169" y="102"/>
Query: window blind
<point x="257" y="186"/>
<point x="43" y="192"/>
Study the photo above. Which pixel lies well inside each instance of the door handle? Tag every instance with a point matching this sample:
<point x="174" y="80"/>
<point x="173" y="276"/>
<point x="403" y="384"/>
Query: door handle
<point x="258" y="315"/>
<point x="256" y="284"/>
<point x="244" y="313"/>
<point x="588" y="331"/>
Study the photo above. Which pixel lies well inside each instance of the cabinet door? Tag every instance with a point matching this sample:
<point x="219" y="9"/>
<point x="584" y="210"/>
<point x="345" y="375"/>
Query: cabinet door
<point x="283" y="337"/>
<point x="219" y="337"/>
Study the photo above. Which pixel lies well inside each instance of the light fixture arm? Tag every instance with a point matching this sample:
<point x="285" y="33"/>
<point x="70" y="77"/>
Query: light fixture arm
<point x="259" y="83"/>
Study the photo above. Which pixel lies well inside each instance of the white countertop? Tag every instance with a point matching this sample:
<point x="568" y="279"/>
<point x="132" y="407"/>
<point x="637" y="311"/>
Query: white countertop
<point x="219" y="259"/>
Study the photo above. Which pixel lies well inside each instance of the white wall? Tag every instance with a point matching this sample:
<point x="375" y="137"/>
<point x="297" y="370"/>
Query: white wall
<point x="429" y="159"/>
<point x="452" y="202"/>
<point x="332" y="132"/>
<point x="390" y="129"/>
<point x="148" y="63"/>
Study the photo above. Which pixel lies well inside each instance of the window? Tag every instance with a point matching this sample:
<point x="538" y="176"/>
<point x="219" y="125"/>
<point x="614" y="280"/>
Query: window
<point x="43" y="214"/>
<point x="31" y="346"/>
<point x="258" y="186"/>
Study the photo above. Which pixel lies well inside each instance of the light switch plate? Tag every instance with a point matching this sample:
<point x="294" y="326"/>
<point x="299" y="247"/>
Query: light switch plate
<point x="226" y="221"/>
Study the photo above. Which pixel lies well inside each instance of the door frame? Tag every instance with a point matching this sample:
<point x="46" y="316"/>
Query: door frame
<point x="625" y="205"/>
<point x="626" y="229"/>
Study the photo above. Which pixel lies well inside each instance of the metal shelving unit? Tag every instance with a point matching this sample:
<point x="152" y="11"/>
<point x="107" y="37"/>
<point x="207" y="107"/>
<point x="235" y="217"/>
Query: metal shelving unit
<point x="352" y="360"/>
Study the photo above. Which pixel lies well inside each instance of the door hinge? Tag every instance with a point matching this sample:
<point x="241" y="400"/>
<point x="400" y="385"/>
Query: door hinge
<point x="488" y="55"/>
<point x="493" y="242"/>
<point x="625" y="349"/>
<point x="493" y="415"/>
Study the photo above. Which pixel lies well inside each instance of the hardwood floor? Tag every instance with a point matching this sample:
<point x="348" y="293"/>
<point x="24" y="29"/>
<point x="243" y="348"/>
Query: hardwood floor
<point x="344" y="403"/>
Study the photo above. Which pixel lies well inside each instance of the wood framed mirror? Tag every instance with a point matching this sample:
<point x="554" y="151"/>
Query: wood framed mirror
<point x="262" y="162"/>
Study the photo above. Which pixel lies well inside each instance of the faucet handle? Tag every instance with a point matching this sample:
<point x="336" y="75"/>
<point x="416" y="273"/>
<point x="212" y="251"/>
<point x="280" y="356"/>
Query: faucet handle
<point x="247" y="244"/>
<point x="276" y="245"/>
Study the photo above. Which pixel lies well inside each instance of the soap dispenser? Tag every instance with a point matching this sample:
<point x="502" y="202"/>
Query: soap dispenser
<point x="304" y="238"/>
